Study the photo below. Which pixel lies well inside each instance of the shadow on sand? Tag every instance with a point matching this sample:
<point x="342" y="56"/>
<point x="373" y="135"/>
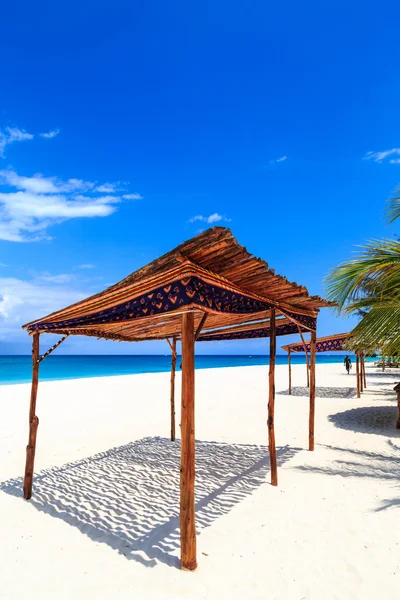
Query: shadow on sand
<point x="374" y="465"/>
<point x="380" y="420"/>
<point x="385" y="376"/>
<point x="128" y="497"/>
<point x="323" y="392"/>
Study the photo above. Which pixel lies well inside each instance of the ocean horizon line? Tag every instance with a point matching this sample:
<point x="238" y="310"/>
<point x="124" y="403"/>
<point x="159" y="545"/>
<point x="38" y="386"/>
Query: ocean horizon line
<point x="18" y="368"/>
<point x="166" y="354"/>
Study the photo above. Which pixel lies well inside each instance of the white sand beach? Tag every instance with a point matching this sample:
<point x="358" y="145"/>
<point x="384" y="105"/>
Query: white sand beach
<point x="103" y="519"/>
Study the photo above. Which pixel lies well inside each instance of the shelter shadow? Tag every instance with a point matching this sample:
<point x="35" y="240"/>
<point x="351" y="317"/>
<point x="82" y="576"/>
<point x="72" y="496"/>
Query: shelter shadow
<point x="364" y="463"/>
<point x="128" y="497"/>
<point x="323" y="392"/>
<point x="380" y="420"/>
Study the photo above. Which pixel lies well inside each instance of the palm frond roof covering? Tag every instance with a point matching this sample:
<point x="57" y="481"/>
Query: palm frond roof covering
<point x="209" y="274"/>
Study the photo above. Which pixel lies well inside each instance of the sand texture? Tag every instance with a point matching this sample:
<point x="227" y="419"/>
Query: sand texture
<point x="103" y="522"/>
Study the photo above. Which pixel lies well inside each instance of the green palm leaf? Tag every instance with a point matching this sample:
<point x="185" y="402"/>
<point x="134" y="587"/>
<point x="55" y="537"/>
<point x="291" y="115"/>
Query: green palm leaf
<point x="379" y="330"/>
<point x="370" y="284"/>
<point x="374" y="272"/>
<point x="393" y="206"/>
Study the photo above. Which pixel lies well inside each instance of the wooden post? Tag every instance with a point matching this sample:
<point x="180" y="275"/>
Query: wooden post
<point x="290" y="372"/>
<point x="397" y="390"/>
<point x="173" y="369"/>
<point x="313" y="343"/>
<point x="33" y="421"/>
<point x="187" y="503"/>
<point x="307" y="361"/>
<point x="363" y="370"/>
<point x="358" y="374"/>
<point x="271" y="400"/>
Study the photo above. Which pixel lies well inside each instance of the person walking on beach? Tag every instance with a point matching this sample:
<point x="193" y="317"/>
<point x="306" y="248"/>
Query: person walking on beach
<point x="347" y="363"/>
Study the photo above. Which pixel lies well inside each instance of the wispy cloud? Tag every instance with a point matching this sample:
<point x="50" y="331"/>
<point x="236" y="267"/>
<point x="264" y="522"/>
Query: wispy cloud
<point x="109" y="188"/>
<point x="115" y="188"/>
<point x="35" y="203"/>
<point x="50" y="134"/>
<point x="61" y="278"/>
<point x="278" y="160"/>
<point x="379" y="157"/>
<point x="132" y="197"/>
<point x="214" y="218"/>
<point x="86" y="266"/>
<point x="22" y="301"/>
<point x="10" y="135"/>
<point x="38" y="184"/>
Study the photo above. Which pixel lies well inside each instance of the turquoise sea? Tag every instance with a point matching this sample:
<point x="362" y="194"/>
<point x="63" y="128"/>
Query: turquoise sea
<point x="18" y="369"/>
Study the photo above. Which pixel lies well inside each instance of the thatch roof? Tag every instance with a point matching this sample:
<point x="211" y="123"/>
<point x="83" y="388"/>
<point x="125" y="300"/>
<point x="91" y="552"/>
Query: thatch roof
<point x="211" y="273"/>
<point x="330" y="343"/>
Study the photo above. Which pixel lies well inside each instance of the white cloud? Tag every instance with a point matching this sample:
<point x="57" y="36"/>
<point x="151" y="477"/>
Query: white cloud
<point x="132" y="197"/>
<point x="17" y="135"/>
<point x="214" y="218"/>
<point x="62" y="278"/>
<point x="50" y="134"/>
<point x="278" y="160"/>
<point x="42" y="201"/>
<point x="11" y="135"/>
<point x="379" y="157"/>
<point x="23" y="301"/>
<point x="43" y="185"/>
<point x="86" y="266"/>
<point x="109" y="188"/>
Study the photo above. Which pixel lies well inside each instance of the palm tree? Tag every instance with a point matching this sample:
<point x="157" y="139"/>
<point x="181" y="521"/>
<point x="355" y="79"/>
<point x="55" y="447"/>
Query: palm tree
<point x="369" y="285"/>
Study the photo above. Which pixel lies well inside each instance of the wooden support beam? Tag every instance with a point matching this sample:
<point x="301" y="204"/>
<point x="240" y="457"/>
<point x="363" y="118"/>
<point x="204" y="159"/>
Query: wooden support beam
<point x="363" y="371"/>
<point x="358" y="374"/>
<point x="290" y="372"/>
<point x="311" y="425"/>
<point x="307" y="361"/>
<point x="397" y="390"/>
<point x="187" y="499"/>
<point x="46" y="354"/>
<point x="271" y="400"/>
<point x="200" y="327"/>
<point x="173" y="369"/>
<point x="33" y="421"/>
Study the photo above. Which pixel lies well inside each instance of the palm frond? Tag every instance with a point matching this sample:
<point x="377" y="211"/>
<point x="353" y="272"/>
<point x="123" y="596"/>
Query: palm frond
<point x="375" y="272"/>
<point x="379" y="331"/>
<point x="393" y="206"/>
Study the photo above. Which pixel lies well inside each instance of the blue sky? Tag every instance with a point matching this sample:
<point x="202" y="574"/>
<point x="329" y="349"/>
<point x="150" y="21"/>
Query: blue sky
<point x="120" y="123"/>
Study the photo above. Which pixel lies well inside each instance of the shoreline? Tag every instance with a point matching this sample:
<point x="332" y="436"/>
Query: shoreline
<point x="57" y="368"/>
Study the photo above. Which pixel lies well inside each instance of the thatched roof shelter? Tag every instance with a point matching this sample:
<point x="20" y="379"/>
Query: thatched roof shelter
<point x="211" y="274"/>
<point x="329" y="343"/>
<point x="207" y="288"/>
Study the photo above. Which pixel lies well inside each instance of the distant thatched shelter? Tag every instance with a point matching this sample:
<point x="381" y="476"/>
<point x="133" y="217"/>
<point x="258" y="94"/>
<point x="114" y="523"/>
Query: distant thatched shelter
<point x="330" y="343"/>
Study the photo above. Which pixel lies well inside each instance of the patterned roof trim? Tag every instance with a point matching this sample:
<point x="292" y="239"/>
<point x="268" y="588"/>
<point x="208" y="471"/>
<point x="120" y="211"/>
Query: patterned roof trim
<point x="330" y="344"/>
<point x="190" y="291"/>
